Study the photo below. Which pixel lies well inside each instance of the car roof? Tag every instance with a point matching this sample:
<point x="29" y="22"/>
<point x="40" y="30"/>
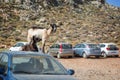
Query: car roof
<point x="23" y="42"/>
<point x="108" y="43"/>
<point x="62" y="43"/>
<point x="87" y="43"/>
<point x="24" y="53"/>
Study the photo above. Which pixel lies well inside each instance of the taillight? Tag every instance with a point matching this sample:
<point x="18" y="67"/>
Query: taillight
<point x="60" y="48"/>
<point x="107" y="48"/>
<point x="117" y="48"/>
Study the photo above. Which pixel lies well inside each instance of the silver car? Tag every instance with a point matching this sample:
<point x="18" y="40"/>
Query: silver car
<point x="61" y="50"/>
<point x="87" y="49"/>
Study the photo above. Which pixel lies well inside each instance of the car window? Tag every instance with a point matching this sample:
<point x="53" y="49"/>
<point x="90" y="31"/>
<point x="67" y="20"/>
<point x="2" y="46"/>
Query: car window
<point x="56" y="46"/>
<point x="19" y="45"/>
<point x="82" y="46"/>
<point x="66" y="46"/>
<point x="3" y="60"/>
<point x="113" y="47"/>
<point x="52" y="46"/>
<point x="50" y="65"/>
<point x="77" y="46"/>
<point x="92" y="45"/>
<point x="102" y="45"/>
<point x="36" y="65"/>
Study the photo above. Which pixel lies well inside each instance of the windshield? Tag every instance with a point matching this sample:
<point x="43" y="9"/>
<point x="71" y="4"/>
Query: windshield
<point x="36" y="65"/>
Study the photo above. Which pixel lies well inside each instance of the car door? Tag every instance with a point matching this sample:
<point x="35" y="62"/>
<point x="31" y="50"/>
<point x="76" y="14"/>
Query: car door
<point x="77" y="49"/>
<point x="81" y="49"/>
<point x="4" y="65"/>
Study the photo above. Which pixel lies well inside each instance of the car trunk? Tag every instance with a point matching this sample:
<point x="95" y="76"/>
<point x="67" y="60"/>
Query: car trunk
<point x="66" y="48"/>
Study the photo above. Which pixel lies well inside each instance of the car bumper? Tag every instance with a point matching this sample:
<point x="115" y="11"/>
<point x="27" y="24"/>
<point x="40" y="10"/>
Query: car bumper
<point x="110" y="53"/>
<point x="94" y="53"/>
<point x="66" y="54"/>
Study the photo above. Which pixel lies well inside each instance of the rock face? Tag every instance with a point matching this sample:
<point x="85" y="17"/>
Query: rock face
<point x="79" y="21"/>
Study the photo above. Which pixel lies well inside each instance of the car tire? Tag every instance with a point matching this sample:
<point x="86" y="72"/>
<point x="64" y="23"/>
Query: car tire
<point x="116" y="55"/>
<point x="84" y="55"/>
<point x="58" y="56"/>
<point x="72" y="56"/>
<point x="97" y="56"/>
<point x="75" y="54"/>
<point x="104" y="54"/>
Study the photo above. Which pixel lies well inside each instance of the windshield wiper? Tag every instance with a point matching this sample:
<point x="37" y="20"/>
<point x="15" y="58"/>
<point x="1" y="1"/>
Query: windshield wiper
<point x="25" y="72"/>
<point x="52" y="73"/>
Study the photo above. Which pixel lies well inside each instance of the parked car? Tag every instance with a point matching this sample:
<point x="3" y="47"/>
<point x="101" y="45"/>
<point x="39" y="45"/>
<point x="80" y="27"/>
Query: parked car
<point x="17" y="46"/>
<point x="109" y="49"/>
<point x="21" y="65"/>
<point x="61" y="50"/>
<point x="87" y="49"/>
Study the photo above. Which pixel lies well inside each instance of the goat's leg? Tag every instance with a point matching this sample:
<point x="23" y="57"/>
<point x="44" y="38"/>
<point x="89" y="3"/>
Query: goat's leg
<point x="29" y="39"/>
<point x="43" y="46"/>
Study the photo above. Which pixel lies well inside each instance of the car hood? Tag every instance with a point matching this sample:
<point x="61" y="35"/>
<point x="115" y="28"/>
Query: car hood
<point x="43" y="77"/>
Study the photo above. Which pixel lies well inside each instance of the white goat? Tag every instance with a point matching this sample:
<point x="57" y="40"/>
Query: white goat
<point x="41" y="34"/>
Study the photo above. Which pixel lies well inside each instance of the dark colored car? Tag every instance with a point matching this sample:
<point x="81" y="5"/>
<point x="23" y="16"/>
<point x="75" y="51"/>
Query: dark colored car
<point x="19" y="65"/>
<point x="61" y="50"/>
<point x="87" y="49"/>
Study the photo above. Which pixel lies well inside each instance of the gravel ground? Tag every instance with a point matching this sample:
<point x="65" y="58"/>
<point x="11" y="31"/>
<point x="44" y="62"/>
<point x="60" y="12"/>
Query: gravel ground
<point x="93" y="68"/>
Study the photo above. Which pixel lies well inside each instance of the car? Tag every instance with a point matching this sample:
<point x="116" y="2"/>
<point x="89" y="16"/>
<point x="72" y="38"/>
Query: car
<point x="61" y="50"/>
<point x="87" y="49"/>
<point x="17" y="46"/>
<point x="109" y="49"/>
<point x="26" y="65"/>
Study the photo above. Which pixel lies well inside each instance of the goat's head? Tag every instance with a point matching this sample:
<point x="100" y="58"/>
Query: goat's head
<point x="54" y="27"/>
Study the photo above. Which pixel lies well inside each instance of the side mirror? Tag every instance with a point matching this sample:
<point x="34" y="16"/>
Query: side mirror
<point x="70" y="72"/>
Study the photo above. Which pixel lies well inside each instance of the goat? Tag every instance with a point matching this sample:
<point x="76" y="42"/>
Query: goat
<point x="41" y="34"/>
<point x="32" y="46"/>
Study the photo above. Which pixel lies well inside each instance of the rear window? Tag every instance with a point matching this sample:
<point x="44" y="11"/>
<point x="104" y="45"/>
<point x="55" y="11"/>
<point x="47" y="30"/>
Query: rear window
<point x="66" y="46"/>
<point x="102" y="45"/>
<point x="92" y="45"/>
<point x="113" y="47"/>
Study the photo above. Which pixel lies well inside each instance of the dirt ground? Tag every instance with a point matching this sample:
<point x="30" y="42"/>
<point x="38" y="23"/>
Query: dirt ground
<point x="93" y="68"/>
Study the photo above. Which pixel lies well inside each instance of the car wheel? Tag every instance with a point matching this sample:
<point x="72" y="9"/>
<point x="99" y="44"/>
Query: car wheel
<point x="104" y="54"/>
<point x="97" y="56"/>
<point x="58" y="56"/>
<point x="73" y="55"/>
<point x="116" y="55"/>
<point x="84" y="55"/>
